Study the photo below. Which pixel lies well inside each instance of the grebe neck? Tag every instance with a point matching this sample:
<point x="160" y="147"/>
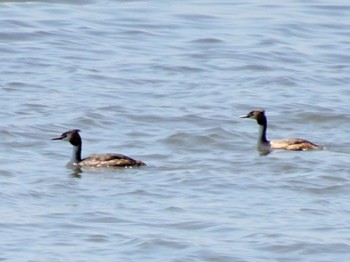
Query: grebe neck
<point x="262" y="134"/>
<point x="262" y="121"/>
<point x="76" y="154"/>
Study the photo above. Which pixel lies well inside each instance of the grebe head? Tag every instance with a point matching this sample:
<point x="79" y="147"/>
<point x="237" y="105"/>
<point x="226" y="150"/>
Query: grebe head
<point x="258" y="115"/>
<point x="72" y="136"/>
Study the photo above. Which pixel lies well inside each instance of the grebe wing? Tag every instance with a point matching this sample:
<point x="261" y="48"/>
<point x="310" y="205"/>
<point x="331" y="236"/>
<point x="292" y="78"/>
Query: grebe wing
<point x="296" y="144"/>
<point x="110" y="159"/>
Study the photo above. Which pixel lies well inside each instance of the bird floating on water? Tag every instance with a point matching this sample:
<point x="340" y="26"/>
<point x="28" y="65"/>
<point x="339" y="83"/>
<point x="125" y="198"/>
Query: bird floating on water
<point x="265" y="145"/>
<point x="97" y="160"/>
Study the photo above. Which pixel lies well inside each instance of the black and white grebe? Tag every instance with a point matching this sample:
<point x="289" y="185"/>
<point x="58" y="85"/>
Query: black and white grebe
<point x="98" y="160"/>
<point x="287" y="144"/>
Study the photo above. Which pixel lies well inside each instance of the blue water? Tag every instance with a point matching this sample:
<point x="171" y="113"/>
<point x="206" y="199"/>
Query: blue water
<point x="165" y="82"/>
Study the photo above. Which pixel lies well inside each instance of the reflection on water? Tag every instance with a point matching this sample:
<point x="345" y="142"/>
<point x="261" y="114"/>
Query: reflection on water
<point x="77" y="172"/>
<point x="264" y="152"/>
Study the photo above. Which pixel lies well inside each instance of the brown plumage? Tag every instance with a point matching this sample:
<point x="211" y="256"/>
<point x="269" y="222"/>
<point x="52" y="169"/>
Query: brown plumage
<point x="295" y="144"/>
<point x="97" y="160"/>
<point x="110" y="159"/>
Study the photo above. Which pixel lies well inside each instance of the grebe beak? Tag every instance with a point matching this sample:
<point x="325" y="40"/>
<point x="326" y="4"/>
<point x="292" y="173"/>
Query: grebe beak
<point x="244" y="116"/>
<point x="58" y="138"/>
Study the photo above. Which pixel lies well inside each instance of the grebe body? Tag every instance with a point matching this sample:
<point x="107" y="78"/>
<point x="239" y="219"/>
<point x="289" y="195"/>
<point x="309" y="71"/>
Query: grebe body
<point x="97" y="160"/>
<point x="295" y="144"/>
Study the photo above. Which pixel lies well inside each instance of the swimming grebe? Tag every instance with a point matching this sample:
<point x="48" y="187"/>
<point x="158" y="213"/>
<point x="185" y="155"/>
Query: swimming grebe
<point x="100" y="160"/>
<point x="287" y="144"/>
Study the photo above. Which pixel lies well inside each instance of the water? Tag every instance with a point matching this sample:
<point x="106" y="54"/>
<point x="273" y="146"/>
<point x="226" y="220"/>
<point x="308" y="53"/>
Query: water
<point x="165" y="82"/>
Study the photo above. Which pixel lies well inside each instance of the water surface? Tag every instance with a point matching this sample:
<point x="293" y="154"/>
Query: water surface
<point x="165" y="82"/>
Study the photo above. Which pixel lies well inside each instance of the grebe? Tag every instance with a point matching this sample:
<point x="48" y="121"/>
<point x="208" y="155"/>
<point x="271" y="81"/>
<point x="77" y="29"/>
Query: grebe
<point x="287" y="144"/>
<point x="100" y="160"/>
